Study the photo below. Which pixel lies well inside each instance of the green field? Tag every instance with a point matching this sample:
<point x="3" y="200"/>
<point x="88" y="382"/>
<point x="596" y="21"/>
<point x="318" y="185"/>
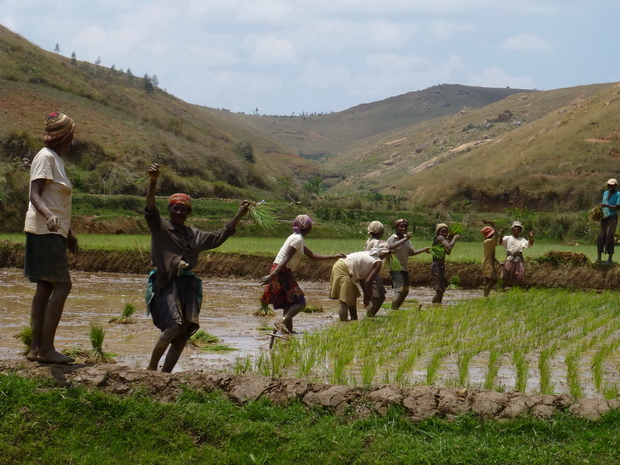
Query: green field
<point x="463" y="252"/>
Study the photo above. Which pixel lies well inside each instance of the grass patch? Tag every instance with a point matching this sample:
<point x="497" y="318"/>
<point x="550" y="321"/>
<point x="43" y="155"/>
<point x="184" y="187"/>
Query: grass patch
<point x="44" y="424"/>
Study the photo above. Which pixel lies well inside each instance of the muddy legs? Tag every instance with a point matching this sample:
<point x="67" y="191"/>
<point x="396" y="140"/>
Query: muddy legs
<point x="47" y="307"/>
<point x="175" y="336"/>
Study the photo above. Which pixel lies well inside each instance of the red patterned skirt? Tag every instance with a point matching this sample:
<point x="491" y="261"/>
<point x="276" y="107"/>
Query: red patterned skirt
<point x="283" y="291"/>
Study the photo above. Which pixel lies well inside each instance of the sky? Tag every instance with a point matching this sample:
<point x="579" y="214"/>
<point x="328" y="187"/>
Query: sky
<point x="284" y="57"/>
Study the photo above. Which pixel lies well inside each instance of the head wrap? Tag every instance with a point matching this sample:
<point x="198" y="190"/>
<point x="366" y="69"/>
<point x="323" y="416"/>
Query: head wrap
<point x="398" y="222"/>
<point x="301" y="222"/>
<point x="439" y="226"/>
<point x="57" y="127"/>
<point x="182" y="199"/>
<point x="375" y="227"/>
<point x="487" y="231"/>
<point x="379" y="249"/>
<point x="517" y="223"/>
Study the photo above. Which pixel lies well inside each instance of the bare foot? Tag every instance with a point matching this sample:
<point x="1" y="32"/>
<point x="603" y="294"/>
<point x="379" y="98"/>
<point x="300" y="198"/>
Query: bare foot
<point x="54" y="357"/>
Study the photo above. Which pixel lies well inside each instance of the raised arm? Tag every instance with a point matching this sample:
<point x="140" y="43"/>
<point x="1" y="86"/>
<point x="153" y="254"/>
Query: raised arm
<point x="448" y="245"/>
<point x="153" y="173"/>
<point x="317" y="256"/>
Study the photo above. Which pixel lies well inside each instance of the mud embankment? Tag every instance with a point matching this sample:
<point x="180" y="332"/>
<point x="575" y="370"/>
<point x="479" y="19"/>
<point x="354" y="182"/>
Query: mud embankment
<point x="255" y="266"/>
<point x="420" y="402"/>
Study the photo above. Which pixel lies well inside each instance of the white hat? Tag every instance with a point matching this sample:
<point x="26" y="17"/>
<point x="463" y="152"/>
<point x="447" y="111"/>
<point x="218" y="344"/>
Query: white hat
<point x="375" y="227"/>
<point x="612" y="182"/>
<point x="516" y="223"/>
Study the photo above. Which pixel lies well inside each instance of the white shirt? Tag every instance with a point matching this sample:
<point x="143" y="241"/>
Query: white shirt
<point x="295" y="240"/>
<point x="56" y="193"/>
<point x="515" y="244"/>
<point x="360" y="264"/>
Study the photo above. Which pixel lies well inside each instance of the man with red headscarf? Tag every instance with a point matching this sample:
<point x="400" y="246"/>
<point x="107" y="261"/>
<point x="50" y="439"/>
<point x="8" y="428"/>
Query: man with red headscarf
<point x="174" y="293"/>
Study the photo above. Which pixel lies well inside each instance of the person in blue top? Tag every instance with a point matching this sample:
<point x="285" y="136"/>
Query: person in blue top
<point x="606" y="237"/>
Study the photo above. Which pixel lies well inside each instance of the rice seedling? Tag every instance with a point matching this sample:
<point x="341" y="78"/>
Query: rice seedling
<point x="433" y="366"/>
<point x="25" y="337"/>
<point x="455" y="229"/>
<point x="262" y="215"/>
<point x="438" y="252"/>
<point x="219" y="348"/>
<point x="97" y="354"/>
<point x="77" y="351"/>
<point x="463" y="365"/>
<point x="545" y="372"/>
<point x="264" y="310"/>
<point x="313" y="309"/>
<point x="126" y="315"/>
<point x="242" y="364"/>
<point x="393" y="262"/>
<point x="202" y="338"/>
<point x="369" y="369"/>
<point x="455" y="282"/>
<point x="572" y="373"/>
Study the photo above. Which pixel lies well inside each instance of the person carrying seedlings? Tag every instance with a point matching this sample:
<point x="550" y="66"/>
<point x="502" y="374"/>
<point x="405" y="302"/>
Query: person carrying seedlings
<point x="48" y="236"/>
<point x="607" y="232"/>
<point x="402" y="249"/>
<point x="358" y="267"/>
<point x="491" y="241"/>
<point x="281" y="289"/>
<point x="375" y="232"/>
<point x="174" y="292"/>
<point x="442" y="246"/>
<point x="514" y="268"/>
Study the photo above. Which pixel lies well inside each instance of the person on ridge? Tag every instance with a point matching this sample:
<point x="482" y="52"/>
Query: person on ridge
<point x="610" y="204"/>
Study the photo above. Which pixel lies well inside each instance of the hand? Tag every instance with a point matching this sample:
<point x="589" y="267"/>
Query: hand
<point x="182" y="265"/>
<point x="409" y="235"/>
<point x="531" y="233"/>
<point x="427" y="249"/>
<point x="456" y="237"/>
<point x="72" y="243"/>
<point x="243" y="207"/>
<point x="266" y="279"/>
<point x="53" y="224"/>
<point x="153" y="171"/>
<point x="340" y="255"/>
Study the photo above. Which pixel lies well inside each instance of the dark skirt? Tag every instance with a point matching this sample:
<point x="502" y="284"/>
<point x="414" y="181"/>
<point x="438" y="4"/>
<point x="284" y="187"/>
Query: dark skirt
<point x="438" y="275"/>
<point x="177" y="302"/>
<point x="400" y="280"/>
<point x="46" y="258"/>
<point x="283" y="291"/>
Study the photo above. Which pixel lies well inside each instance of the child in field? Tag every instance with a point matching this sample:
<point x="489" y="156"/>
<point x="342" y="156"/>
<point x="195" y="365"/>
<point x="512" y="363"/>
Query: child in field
<point x="514" y="268"/>
<point x="442" y="246"/>
<point x="174" y="293"/>
<point x="357" y="267"/>
<point x="281" y="289"/>
<point x="402" y="249"/>
<point x="491" y="240"/>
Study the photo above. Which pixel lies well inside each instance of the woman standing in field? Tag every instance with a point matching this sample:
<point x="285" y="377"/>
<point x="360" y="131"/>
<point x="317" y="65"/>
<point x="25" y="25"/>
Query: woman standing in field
<point x="491" y="241"/>
<point x="514" y="268"/>
<point x="442" y="246"/>
<point x="174" y="292"/>
<point x="400" y="245"/>
<point x="281" y="289"/>
<point x="48" y="236"/>
<point x="357" y="267"/>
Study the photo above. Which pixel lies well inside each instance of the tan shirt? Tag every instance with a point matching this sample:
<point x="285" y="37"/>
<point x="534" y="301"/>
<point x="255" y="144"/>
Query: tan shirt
<point x="360" y="264"/>
<point x="56" y="193"/>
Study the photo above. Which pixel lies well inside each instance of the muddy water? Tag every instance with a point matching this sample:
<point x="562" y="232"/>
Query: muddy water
<point x="227" y="313"/>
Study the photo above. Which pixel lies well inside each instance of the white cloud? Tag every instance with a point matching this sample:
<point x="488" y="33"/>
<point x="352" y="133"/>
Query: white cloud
<point x="317" y="77"/>
<point x="526" y="42"/>
<point x="269" y="49"/>
<point x="497" y="77"/>
<point x="392" y="62"/>
<point x="446" y="29"/>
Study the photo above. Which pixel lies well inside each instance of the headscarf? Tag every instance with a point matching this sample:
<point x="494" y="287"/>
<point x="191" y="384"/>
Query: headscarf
<point x="375" y="227"/>
<point x="182" y="199"/>
<point x="487" y="231"/>
<point x="398" y="222"/>
<point x="301" y="222"/>
<point x="58" y="126"/>
<point x="379" y="249"/>
<point x="439" y="226"/>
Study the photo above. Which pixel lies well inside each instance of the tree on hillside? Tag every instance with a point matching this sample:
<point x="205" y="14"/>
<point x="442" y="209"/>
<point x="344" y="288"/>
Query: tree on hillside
<point x="148" y="84"/>
<point x="57" y="48"/>
<point x="73" y="59"/>
<point x="314" y="185"/>
<point x="244" y="149"/>
<point x="98" y="61"/>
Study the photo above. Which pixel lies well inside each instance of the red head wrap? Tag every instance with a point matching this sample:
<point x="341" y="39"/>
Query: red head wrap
<point x="182" y="199"/>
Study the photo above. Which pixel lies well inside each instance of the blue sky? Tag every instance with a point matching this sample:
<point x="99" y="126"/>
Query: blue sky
<point x="294" y="56"/>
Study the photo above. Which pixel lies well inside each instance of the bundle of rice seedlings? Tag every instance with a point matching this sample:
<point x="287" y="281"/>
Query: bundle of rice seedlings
<point x="455" y="282"/>
<point x="393" y="262"/>
<point x="202" y="338"/>
<point x="438" y="251"/>
<point x="125" y="317"/>
<point x="596" y="214"/>
<point x="77" y="351"/>
<point x="456" y="228"/>
<point x="264" y="310"/>
<point x="97" y="355"/>
<point x="262" y="215"/>
<point x="25" y="336"/>
<point x="312" y="309"/>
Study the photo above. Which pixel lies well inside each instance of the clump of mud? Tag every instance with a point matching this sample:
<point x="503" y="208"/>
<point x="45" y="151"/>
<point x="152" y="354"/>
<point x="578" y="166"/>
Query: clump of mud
<point x="559" y="258"/>
<point x="420" y="402"/>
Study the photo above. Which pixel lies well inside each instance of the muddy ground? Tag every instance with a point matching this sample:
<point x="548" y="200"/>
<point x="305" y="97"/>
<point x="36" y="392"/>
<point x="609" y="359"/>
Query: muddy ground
<point x="420" y="402"/>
